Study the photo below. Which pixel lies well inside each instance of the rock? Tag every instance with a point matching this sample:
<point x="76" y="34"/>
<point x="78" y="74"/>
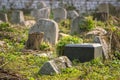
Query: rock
<point x="50" y="29"/>
<point x="55" y="65"/>
<point x="59" y="14"/>
<point x="17" y="17"/>
<point x="105" y="46"/>
<point x="72" y="14"/>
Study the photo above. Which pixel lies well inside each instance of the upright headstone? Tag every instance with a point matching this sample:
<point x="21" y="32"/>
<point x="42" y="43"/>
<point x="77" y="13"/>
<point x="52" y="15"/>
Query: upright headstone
<point x="103" y="7"/>
<point x="83" y="52"/>
<point x="3" y="17"/>
<point x="105" y="46"/>
<point x="17" y="17"/>
<point x="59" y="14"/>
<point x="55" y="66"/>
<point x="72" y="14"/>
<point x="49" y="27"/>
<point x="41" y="5"/>
<point x="41" y="13"/>
<point x="75" y="28"/>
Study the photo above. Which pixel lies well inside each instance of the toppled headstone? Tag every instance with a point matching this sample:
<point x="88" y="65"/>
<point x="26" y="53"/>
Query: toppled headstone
<point x="4" y="17"/>
<point x="83" y="52"/>
<point x="75" y="28"/>
<point x="105" y="46"/>
<point x="17" y="17"/>
<point x="59" y="14"/>
<point x="72" y="14"/>
<point x="50" y="29"/>
<point x="55" y="66"/>
<point x="41" y="13"/>
<point x="41" y="5"/>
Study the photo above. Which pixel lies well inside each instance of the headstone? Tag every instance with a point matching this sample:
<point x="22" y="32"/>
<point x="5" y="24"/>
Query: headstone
<point x="103" y="7"/>
<point x="83" y="52"/>
<point x="105" y="46"/>
<point x="41" y="13"/>
<point x="17" y="17"/>
<point x="55" y="66"/>
<point x="75" y="28"/>
<point x="50" y="29"/>
<point x="41" y="5"/>
<point x="4" y="17"/>
<point x="72" y="14"/>
<point x="59" y="14"/>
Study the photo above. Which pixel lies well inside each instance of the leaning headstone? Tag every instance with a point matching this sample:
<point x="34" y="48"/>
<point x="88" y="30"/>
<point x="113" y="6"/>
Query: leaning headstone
<point x="50" y="29"/>
<point x="83" y="52"/>
<point x="105" y="46"/>
<point x="59" y="14"/>
<point x="17" y="17"/>
<point x="41" y="13"/>
<point x="75" y="28"/>
<point x="72" y="14"/>
<point x="4" y="17"/>
<point x="55" y="66"/>
<point x="41" y="5"/>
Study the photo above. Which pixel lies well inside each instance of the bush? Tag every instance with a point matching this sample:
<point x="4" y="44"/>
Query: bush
<point x="45" y="46"/>
<point x="66" y="40"/>
<point x="87" y="24"/>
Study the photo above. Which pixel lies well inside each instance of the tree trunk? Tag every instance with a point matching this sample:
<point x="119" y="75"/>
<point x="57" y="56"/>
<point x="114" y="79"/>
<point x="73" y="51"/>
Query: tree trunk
<point x="34" y="40"/>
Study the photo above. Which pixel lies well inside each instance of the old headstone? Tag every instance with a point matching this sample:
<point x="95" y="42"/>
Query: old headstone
<point x="72" y="14"/>
<point x="59" y="14"/>
<point x="17" y="17"/>
<point x="41" y="13"/>
<point x="103" y="7"/>
<point x="75" y="25"/>
<point x="50" y="29"/>
<point x="41" y="5"/>
<point x="83" y="52"/>
<point x="105" y="46"/>
<point x="4" y="17"/>
<point x="55" y="66"/>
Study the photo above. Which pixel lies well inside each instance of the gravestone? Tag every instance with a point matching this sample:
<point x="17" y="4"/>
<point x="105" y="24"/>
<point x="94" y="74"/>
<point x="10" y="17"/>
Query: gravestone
<point x="105" y="46"/>
<point x="50" y="29"/>
<point x="17" y="17"/>
<point x="75" y="29"/>
<point x="4" y="17"/>
<point x="103" y="7"/>
<point x="59" y="14"/>
<point x="83" y="52"/>
<point x="55" y="66"/>
<point x="41" y="13"/>
<point x="72" y="14"/>
<point x="41" y="5"/>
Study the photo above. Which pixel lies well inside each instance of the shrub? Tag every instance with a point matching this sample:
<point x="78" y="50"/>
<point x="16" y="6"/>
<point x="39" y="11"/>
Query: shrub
<point x="87" y="24"/>
<point x="45" y="46"/>
<point x="66" y="40"/>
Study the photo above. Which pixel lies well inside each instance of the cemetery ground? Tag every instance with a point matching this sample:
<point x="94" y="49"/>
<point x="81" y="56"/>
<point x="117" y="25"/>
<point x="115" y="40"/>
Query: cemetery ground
<point x="18" y="63"/>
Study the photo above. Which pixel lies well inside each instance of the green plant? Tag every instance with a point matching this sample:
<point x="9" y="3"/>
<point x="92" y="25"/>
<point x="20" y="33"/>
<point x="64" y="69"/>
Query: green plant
<point x="66" y="40"/>
<point x="45" y="46"/>
<point x="87" y="24"/>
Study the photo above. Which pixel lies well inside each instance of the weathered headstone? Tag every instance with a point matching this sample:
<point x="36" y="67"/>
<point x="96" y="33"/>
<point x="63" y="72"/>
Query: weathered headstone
<point x="41" y="5"/>
<point x="55" y="66"/>
<point x="41" y="13"/>
<point x="50" y="29"/>
<point x="105" y="46"/>
<point x="72" y="14"/>
<point x="104" y="7"/>
<point x="59" y="14"/>
<point x="83" y="52"/>
<point x="4" y="17"/>
<point x="17" y="17"/>
<point x="75" y="25"/>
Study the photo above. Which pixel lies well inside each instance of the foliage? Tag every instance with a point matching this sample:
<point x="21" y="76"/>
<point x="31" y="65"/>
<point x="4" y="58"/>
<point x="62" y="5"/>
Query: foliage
<point x="5" y="27"/>
<point x="87" y="24"/>
<point x="44" y="46"/>
<point x="70" y="8"/>
<point x="66" y="40"/>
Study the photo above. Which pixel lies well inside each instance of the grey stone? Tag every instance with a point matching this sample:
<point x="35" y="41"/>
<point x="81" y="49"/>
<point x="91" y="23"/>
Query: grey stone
<point x="17" y="17"/>
<point x="103" y="7"/>
<point x="41" y="5"/>
<point x="49" y="27"/>
<point x="83" y="52"/>
<point x="55" y="66"/>
<point x="59" y="14"/>
<point x="75" y="29"/>
<point x="105" y="46"/>
<point x="41" y="13"/>
<point x="4" y="17"/>
<point x="72" y="14"/>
